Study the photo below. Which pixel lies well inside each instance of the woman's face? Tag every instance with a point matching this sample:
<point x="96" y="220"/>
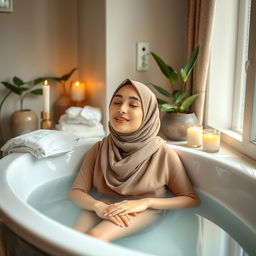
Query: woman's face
<point x="125" y="111"/>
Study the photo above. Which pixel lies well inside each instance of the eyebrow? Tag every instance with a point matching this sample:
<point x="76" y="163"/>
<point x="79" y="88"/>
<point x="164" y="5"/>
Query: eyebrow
<point x="130" y="97"/>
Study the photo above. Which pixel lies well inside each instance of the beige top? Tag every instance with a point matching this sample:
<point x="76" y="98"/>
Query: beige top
<point x="174" y="178"/>
<point x="137" y="163"/>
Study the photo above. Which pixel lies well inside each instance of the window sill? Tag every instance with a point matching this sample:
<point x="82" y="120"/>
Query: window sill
<point x="232" y="134"/>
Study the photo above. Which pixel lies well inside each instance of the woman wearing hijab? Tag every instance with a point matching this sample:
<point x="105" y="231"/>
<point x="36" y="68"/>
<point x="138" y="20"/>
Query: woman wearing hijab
<point x="132" y="168"/>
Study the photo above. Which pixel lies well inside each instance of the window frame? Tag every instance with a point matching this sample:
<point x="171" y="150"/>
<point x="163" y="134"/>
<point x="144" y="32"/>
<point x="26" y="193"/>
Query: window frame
<point x="245" y="141"/>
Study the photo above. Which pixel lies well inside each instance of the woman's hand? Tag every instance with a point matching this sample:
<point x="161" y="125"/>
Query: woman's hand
<point x="121" y="221"/>
<point x="127" y="207"/>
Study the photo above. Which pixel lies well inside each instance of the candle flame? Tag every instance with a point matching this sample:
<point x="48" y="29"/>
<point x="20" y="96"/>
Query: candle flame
<point x="77" y="83"/>
<point x="45" y="82"/>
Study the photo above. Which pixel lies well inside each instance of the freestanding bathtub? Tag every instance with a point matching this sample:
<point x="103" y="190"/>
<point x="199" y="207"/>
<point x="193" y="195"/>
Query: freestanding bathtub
<point x="227" y="180"/>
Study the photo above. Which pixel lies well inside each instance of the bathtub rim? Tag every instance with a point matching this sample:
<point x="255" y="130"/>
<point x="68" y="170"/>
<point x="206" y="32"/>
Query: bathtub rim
<point x="42" y="241"/>
<point x="32" y="229"/>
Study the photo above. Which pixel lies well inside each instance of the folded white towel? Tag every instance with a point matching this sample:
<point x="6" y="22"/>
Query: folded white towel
<point x="41" y="143"/>
<point x="82" y="130"/>
<point x="88" y="115"/>
<point x="73" y="112"/>
<point x="79" y="120"/>
<point x="91" y="113"/>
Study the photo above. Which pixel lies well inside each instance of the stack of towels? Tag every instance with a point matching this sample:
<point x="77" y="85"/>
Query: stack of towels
<point x="41" y="143"/>
<point x="83" y="122"/>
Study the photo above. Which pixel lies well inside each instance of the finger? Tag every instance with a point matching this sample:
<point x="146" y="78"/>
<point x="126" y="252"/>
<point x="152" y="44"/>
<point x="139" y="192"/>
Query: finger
<point x="112" y="206"/>
<point x="126" y="212"/>
<point x="133" y="214"/>
<point x="115" y="211"/>
<point x="120" y="221"/>
<point x="116" y="221"/>
<point x="126" y="219"/>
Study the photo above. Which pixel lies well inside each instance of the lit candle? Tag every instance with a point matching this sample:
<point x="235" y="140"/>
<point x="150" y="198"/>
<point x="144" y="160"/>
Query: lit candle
<point x="211" y="140"/>
<point x="194" y="136"/>
<point x="77" y="91"/>
<point x="46" y="96"/>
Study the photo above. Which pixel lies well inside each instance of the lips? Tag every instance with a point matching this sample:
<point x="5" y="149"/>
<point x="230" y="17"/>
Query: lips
<point x="121" y="119"/>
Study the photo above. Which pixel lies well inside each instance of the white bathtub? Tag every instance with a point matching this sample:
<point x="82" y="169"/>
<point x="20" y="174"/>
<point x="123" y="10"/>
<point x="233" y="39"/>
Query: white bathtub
<point x="226" y="177"/>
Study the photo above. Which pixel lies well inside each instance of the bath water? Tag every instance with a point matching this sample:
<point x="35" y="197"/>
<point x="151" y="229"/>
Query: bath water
<point x="184" y="232"/>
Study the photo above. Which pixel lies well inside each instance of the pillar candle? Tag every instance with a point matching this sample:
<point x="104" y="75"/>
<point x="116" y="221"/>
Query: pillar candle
<point x="46" y="96"/>
<point x="194" y="136"/>
<point x="77" y="91"/>
<point x="211" y="140"/>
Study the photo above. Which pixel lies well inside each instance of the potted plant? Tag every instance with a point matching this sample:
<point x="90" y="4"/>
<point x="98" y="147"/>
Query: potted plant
<point x="63" y="102"/>
<point x="23" y="120"/>
<point x="177" y="117"/>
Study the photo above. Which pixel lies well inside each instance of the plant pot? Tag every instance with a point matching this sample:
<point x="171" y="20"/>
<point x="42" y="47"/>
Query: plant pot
<point x="174" y="125"/>
<point x="60" y="106"/>
<point x="23" y="122"/>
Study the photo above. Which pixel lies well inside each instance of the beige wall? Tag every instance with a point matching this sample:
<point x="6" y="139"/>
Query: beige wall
<point x="91" y="48"/>
<point x="50" y="37"/>
<point x="107" y="36"/>
<point x="38" y="38"/>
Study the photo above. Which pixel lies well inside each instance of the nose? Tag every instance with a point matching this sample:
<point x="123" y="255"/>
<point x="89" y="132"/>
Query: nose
<point x="122" y="108"/>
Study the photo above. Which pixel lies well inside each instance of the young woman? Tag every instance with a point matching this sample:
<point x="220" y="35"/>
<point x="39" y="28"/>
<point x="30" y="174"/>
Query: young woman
<point x="134" y="166"/>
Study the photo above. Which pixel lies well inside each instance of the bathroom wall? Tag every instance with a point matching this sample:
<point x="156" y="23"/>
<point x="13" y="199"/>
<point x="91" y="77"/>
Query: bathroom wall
<point x="161" y="23"/>
<point x="92" y="50"/>
<point x="108" y="33"/>
<point x="52" y="36"/>
<point x="38" y="38"/>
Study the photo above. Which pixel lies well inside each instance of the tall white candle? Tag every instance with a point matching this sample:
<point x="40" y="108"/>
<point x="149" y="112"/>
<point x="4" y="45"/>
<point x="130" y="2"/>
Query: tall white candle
<point x="46" y="96"/>
<point x="194" y="136"/>
<point x="211" y="140"/>
<point x="77" y="91"/>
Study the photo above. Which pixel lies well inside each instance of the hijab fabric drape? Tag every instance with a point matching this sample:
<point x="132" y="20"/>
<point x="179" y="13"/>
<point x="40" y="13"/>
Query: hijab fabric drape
<point x="126" y="157"/>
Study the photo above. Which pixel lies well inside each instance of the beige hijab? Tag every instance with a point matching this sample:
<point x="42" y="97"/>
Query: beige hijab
<point x="125" y="158"/>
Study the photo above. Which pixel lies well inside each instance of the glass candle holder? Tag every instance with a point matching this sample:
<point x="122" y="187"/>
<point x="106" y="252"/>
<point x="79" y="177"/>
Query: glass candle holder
<point x="211" y="140"/>
<point x="194" y="136"/>
<point x="77" y="92"/>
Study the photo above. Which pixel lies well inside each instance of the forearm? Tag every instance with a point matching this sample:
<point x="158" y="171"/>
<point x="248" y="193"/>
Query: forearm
<point x="83" y="200"/>
<point x="172" y="202"/>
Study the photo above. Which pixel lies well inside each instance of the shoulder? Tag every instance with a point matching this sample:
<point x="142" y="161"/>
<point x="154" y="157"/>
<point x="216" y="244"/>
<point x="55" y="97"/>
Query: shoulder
<point x="169" y="151"/>
<point x="93" y="150"/>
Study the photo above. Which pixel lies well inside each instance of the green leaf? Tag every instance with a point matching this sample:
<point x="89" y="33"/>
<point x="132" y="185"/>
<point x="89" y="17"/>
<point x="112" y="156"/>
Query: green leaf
<point x="53" y="78"/>
<point x="38" y="80"/>
<point x="188" y="102"/>
<point x="178" y="96"/>
<point x="67" y="76"/>
<point x="183" y="75"/>
<point x="168" y="71"/>
<point x="160" y="101"/>
<point x="15" y="89"/>
<point x="167" y="107"/>
<point x="37" y="92"/>
<point x="185" y="71"/>
<point x="173" y="77"/>
<point x="17" y="81"/>
<point x="162" y="91"/>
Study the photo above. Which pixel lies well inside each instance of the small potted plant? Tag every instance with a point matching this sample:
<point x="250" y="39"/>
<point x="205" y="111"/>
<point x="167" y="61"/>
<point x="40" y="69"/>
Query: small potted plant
<point x="23" y="120"/>
<point x="176" y="103"/>
<point x="63" y="102"/>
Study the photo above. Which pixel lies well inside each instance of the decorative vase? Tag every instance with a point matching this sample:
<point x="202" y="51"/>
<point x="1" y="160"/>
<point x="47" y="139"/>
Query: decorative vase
<point x="174" y="125"/>
<point x="60" y="106"/>
<point x="23" y="121"/>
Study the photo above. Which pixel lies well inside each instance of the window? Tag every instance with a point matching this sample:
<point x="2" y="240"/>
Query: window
<point x="231" y="98"/>
<point x="241" y="65"/>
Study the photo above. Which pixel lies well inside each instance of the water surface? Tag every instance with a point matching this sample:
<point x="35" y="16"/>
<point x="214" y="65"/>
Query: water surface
<point x="185" y="232"/>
